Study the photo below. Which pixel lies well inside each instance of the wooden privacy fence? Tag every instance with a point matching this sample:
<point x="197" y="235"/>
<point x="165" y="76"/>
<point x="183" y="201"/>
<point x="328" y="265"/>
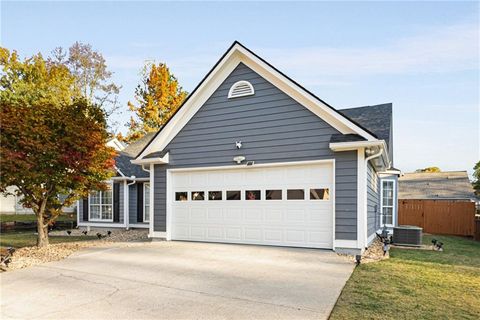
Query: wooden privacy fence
<point x="438" y="216"/>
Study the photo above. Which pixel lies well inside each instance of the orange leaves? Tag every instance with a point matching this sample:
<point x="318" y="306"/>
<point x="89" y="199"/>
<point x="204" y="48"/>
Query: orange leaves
<point x="157" y="97"/>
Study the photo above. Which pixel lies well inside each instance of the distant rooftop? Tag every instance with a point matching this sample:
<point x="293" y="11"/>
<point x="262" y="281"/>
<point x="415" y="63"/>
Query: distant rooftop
<point x="437" y="185"/>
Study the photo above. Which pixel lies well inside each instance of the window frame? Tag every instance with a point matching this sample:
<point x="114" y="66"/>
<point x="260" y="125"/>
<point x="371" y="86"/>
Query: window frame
<point x="186" y="198"/>
<point x="239" y="191"/>
<point x="100" y="205"/>
<point x="309" y="196"/>
<point x="305" y="194"/>
<point x="393" y="206"/>
<point x="145" y="203"/>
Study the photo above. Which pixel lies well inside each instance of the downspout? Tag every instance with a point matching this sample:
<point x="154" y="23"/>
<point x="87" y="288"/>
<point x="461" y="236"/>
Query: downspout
<point x="373" y="156"/>
<point x="127" y="202"/>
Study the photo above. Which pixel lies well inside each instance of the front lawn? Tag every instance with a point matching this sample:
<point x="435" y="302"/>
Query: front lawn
<point x="416" y="284"/>
<point x="32" y="218"/>
<point x="28" y="239"/>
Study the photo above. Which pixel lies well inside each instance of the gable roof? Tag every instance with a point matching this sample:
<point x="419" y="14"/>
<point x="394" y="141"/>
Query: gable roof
<point x="376" y="118"/>
<point x="437" y="185"/>
<point x="124" y="157"/>
<point x="237" y="53"/>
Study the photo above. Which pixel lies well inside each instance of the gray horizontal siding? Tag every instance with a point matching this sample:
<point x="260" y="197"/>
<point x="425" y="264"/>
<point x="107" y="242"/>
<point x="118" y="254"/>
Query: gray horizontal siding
<point x="373" y="201"/>
<point x="273" y="128"/>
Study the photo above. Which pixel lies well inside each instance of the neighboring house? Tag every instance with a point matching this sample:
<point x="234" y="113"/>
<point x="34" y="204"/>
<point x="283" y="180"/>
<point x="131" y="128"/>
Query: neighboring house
<point x="11" y="205"/>
<point x="126" y="203"/>
<point x="439" y="202"/>
<point x="252" y="157"/>
<point x="448" y="185"/>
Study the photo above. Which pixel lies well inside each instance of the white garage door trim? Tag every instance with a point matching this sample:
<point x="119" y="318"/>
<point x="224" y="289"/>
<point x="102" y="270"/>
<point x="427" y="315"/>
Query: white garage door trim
<point x="169" y="188"/>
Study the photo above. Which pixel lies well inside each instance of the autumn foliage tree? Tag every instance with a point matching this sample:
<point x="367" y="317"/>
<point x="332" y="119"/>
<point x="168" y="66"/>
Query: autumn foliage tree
<point x="53" y="142"/>
<point x="92" y="78"/>
<point x="157" y="97"/>
<point x="429" y="170"/>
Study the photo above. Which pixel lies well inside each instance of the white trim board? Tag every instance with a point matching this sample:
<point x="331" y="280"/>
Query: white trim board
<point x="139" y="225"/>
<point x="102" y="224"/>
<point x="236" y="55"/>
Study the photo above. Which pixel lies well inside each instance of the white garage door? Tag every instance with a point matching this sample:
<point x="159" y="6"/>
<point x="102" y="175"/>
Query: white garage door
<point x="283" y="206"/>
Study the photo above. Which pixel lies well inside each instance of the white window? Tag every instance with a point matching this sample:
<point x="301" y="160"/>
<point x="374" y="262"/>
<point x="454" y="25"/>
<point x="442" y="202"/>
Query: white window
<point x="146" y="202"/>
<point x="241" y="89"/>
<point x="388" y="202"/>
<point x="101" y="205"/>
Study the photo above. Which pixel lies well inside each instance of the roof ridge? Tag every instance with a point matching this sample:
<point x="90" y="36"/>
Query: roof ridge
<point x="369" y="106"/>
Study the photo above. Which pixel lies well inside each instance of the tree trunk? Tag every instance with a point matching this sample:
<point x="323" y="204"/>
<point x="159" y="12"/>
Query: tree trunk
<point x="42" y="237"/>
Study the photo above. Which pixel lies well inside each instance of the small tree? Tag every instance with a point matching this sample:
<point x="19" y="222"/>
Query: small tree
<point x="429" y="170"/>
<point x="476" y="175"/>
<point x="53" y="143"/>
<point x="158" y="96"/>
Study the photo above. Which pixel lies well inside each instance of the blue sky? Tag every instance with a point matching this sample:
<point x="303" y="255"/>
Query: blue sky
<point x="421" y="56"/>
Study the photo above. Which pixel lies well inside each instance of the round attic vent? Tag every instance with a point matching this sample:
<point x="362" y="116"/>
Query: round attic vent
<point x="241" y="89"/>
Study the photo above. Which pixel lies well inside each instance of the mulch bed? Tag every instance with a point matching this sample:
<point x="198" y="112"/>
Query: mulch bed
<point x="30" y="256"/>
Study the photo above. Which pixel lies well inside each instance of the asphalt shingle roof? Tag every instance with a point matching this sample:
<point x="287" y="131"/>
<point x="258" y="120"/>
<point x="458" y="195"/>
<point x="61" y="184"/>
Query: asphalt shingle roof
<point x="376" y="119"/>
<point x="437" y="185"/>
<point x="123" y="158"/>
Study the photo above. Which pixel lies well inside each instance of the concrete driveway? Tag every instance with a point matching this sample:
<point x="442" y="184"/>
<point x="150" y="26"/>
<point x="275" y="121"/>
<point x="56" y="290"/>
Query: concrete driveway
<point x="179" y="280"/>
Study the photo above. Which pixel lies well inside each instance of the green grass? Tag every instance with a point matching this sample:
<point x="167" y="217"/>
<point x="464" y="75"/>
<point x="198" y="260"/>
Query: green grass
<point x="31" y="217"/>
<point x="416" y="284"/>
<point x="28" y="239"/>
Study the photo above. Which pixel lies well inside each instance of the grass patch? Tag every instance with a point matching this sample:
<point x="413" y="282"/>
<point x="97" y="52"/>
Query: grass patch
<point x="32" y="217"/>
<point x="29" y="239"/>
<point x="416" y="284"/>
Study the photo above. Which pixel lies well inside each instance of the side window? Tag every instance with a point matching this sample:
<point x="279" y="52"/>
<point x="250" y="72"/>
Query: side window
<point x="319" y="194"/>
<point x="215" y="195"/>
<point x="181" y="196"/>
<point x="252" y="195"/>
<point x="273" y="194"/>
<point x="233" y="195"/>
<point x="295" y="194"/>
<point x="198" y="195"/>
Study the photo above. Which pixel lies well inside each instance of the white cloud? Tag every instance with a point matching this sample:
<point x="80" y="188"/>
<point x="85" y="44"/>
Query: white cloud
<point x="453" y="48"/>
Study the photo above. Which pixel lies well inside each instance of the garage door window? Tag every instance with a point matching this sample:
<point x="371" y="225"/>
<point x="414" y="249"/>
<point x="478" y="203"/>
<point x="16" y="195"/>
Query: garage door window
<point x="273" y="195"/>
<point x="319" y="194"/>
<point x="181" y="196"/>
<point x="198" y="195"/>
<point x="295" y="194"/>
<point x="215" y="195"/>
<point x="252" y="195"/>
<point x="233" y="195"/>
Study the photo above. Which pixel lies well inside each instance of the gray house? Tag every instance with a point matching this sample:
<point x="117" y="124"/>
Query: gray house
<point x="252" y="157"/>
<point x="126" y="203"/>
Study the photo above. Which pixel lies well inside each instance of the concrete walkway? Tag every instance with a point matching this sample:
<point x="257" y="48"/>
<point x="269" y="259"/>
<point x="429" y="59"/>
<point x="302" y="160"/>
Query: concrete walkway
<point x="178" y="280"/>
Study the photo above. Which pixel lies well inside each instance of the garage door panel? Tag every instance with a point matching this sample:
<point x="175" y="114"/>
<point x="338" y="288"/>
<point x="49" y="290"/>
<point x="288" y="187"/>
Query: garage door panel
<point x="273" y="235"/>
<point x="198" y="214"/>
<point x="253" y="214"/>
<point x="215" y="214"/>
<point x="273" y="216"/>
<point x="233" y="233"/>
<point x="253" y="234"/>
<point x="302" y="223"/>
<point x="215" y="233"/>
<point x="296" y="236"/>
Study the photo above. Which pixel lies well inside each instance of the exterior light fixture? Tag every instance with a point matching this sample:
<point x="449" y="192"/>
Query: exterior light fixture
<point x="239" y="159"/>
<point x="358" y="258"/>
